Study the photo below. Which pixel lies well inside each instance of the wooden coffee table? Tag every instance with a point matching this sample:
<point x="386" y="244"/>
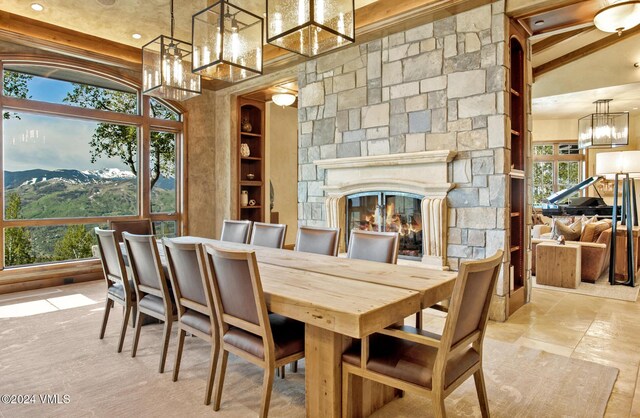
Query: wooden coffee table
<point x="558" y="265"/>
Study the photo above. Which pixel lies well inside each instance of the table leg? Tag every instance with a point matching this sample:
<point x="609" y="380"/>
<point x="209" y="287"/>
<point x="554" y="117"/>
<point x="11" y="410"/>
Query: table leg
<point x="323" y="378"/>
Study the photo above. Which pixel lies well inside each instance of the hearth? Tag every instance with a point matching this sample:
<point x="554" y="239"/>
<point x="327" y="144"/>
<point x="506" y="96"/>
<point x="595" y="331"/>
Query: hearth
<point x="388" y="211"/>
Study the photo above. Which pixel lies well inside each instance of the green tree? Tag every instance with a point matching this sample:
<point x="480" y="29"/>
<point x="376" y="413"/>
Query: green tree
<point x="17" y="240"/>
<point x="76" y="243"/>
<point x="15" y="85"/>
<point x="121" y="141"/>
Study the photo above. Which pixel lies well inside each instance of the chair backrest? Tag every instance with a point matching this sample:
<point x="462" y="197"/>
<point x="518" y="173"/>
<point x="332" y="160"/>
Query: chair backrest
<point x="235" y="231"/>
<point x="318" y="240"/>
<point x="470" y="301"/>
<point x="111" y="258"/>
<point x="374" y="246"/>
<point x="138" y="227"/>
<point x="186" y="276"/>
<point x="237" y="292"/>
<point x="146" y="266"/>
<point x="268" y="235"/>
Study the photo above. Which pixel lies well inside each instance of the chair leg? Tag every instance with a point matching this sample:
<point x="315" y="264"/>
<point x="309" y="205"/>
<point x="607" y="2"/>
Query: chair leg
<point x="125" y="323"/>
<point x="267" y="385"/>
<point x="438" y="404"/>
<point x="482" y="393"/>
<point x="107" y="308"/>
<point x="282" y="374"/>
<point x="212" y="369"/>
<point x="219" y="379"/>
<point x="294" y="367"/>
<point x="345" y="393"/>
<point x="176" y="368"/>
<point x="165" y="343"/>
<point x="136" y="335"/>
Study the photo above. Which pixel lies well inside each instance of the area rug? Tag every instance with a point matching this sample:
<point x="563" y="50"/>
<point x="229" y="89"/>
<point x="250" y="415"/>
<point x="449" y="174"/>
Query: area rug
<point x="59" y="353"/>
<point x="601" y="289"/>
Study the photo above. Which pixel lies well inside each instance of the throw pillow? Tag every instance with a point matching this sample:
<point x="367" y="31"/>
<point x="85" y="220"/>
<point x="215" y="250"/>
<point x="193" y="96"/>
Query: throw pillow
<point x="586" y="221"/>
<point x="593" y="230"/>
<point x="570" y="232"/>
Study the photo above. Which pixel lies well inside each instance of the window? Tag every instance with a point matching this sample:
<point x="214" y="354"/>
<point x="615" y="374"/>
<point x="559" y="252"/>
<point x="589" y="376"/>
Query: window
<point x="556" y="166"/>
<point x="72" y="142"/>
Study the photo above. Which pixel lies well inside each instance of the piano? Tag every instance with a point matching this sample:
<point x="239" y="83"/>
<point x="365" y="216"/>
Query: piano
<point x="560" y="203"/>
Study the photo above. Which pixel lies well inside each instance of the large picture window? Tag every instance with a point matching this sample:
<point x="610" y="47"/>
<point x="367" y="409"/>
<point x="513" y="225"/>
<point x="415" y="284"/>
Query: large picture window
<point x="556" y="166"/>
<point x="78" y="151"/>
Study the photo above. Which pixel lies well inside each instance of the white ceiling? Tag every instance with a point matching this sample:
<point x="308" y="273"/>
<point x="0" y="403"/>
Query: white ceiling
<point x="123" y="18"/>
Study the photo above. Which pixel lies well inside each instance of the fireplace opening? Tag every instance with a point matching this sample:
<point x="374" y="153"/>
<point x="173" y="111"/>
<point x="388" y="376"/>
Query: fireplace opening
<point x="388" y="211"/>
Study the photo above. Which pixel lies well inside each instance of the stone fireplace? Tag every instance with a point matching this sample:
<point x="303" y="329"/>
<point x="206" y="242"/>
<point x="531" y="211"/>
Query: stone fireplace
<point x="426" y="174"/>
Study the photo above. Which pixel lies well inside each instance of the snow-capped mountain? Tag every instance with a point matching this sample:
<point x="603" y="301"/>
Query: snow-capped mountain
<point x="14" y="179"/>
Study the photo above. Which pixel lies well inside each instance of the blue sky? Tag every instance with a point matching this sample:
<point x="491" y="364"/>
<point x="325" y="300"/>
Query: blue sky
<point x="46" y="142"/>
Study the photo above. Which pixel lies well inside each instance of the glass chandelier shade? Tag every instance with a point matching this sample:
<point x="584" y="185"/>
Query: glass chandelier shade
<point x="227" y="42"/>
<point x="166" y="69"/>
<point x="310" y="27"/>
<point x="618" y="17"/>
<point x="603" y="129"/>
<point x="283" y="99"/>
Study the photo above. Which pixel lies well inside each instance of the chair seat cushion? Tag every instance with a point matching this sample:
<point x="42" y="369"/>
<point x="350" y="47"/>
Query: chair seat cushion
<point x="196" y="320"/>
<point x="117" y="290"/>
<point x="152" y="303"/>
<point x="409" y="361"/>
<point x="288" y="338"/>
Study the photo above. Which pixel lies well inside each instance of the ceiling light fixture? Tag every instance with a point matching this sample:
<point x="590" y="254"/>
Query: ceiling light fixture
<point x="539" y="22"/>
<point x="227" y="42"/>
<point x="37" y="7"/>
<point x="283" y="99"/>
<point x="166" y="68"/>
<point x="311" y="28"/>
<point x="603" y="129"/>
<point x="136" y="36"/>
<point x="618" y="17"/>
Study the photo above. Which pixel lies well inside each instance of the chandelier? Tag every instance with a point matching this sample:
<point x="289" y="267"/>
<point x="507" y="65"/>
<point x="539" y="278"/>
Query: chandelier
<point x="618" y="17"/>
<point x="166" y="68"/>
<point x="283" y="99"/>
<point x="227" y="42"/>
<point x="310" y="27"/>
<point x="603" y="129"/>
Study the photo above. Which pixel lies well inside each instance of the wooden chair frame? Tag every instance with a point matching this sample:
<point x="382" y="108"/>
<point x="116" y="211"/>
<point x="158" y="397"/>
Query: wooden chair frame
<point x="263" y="329"/>
<point x="182" y="304"/>
<point x="438" y="392"/>
<point x="142" y="290"/>
<point x="111" y="279"/>
<point x="246" y="222"/>
<point x="119" y="226"/>
<point x="282" y="226"/>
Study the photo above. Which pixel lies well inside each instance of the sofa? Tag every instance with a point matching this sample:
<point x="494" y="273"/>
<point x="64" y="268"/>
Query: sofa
<point x="595" y="255"/>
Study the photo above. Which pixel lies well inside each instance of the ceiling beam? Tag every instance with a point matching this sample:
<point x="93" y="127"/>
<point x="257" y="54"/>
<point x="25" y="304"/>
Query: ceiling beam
<point x="521" y="9"/>
<point x="554" y="40"/>
<point x="584" y="51"/>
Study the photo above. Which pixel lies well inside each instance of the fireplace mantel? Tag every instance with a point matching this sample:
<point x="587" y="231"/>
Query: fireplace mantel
<point x="426" y="173"/>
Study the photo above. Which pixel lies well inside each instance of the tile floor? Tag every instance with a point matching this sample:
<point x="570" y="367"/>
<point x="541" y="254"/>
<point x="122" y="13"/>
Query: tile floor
<point x="601" y="330"/>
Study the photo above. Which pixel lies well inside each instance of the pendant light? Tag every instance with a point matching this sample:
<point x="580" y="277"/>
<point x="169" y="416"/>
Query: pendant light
<point x="310" y="27"/>
<point x="620" y="16"/>
<point x="603" y="129"/>
<point x="227" y="42"/>
<point x="166" y="68"/>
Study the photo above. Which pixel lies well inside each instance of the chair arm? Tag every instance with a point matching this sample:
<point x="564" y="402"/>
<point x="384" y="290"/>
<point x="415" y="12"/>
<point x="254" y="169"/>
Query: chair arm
<point x="413" y="334"/>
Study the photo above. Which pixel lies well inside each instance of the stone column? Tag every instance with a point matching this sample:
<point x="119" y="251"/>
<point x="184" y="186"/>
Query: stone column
<point x="434" y="232"/>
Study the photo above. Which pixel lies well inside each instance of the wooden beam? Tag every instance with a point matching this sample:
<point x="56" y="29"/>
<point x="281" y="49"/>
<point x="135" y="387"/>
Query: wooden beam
<point x="520" y="9"/>
<point x="584" y="51"/>
<point x="554" y="40"/>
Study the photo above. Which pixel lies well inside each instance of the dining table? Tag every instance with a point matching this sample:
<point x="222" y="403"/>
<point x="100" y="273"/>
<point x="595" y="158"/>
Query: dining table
<point x="338" y="300"/>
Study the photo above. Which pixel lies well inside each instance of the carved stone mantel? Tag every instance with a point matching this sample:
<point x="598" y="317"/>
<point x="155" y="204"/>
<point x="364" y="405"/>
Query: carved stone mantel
<point x="426" y="173"/>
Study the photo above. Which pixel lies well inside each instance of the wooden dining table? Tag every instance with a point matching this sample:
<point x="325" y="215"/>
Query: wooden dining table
<point x="340" y="299"/>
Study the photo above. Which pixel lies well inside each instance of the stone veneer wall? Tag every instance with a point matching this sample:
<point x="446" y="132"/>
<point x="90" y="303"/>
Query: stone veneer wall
<point x="441" y="85"/>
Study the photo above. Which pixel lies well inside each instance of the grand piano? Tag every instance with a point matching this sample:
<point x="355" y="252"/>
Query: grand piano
<point x="560" y="203"/>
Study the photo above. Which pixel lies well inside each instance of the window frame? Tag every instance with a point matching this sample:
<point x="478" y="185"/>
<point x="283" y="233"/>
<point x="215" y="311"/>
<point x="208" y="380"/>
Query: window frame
<point x="556" y="158"/>
<point x="145" y="125"/>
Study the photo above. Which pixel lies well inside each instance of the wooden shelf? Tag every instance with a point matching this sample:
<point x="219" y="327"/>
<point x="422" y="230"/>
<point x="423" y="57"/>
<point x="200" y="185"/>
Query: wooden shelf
<point x="251" y="207"/>
<point x="251" y="183"/>
<point x="251" y="111"/>
<point x="515" y="214"/>
<point x="251" y="134"/>
<point x="516" y="174"/>
<point x="251" y="158"/>
<point x="515" y="248"/>
<point x="516" y="133"/>
<point x="515" y="92"/>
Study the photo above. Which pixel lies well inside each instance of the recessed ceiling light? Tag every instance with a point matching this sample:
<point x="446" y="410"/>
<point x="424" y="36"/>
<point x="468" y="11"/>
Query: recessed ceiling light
<point x="539" y="22"/>
<point x="37" y="7"/>
<point x="635" y="108"/>
<point x="637" y="64"/>
<point x="136" y="36"/>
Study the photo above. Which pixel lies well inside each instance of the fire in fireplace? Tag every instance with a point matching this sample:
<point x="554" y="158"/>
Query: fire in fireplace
<point x="388" y="211"/>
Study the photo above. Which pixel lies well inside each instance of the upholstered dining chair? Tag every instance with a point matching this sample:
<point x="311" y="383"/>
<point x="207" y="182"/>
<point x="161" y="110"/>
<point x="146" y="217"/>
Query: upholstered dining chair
<point x="235" y="231"/>
<point x="317" y="240"/>
<point x="138" y="227"/>
<point x="119" y="288"/>
<point x="193" y="302"/>
<point x="414" y="360"/>
<point x="374" y="246"/>
<point x="246" y="327"/>
<point x="151" y="286"/>
<point x="268" y="235"/>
